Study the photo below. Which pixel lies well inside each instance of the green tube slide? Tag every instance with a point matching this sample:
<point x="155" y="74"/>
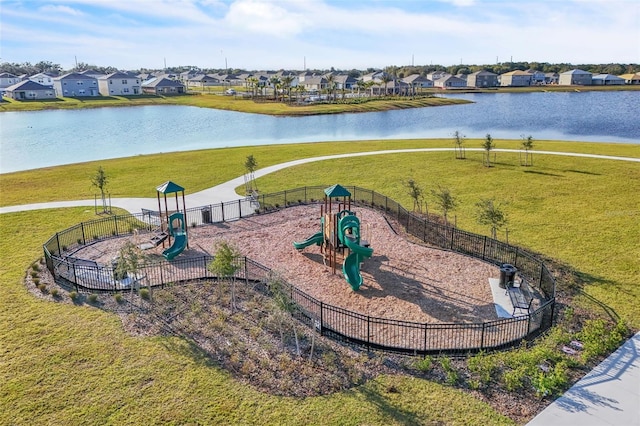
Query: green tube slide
<point x="349" y="235"/>
<point x="314" y="239"/>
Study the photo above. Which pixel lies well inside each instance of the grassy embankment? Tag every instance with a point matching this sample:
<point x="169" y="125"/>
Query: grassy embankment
<point x="230" y="103"/>
<point x="70" y="364"/>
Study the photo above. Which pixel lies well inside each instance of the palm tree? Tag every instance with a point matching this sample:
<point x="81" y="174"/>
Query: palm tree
<point x="331" y="85"/>
<point x="385" y="79"/>
<point x="275" y="82"/>
<point x="286" y="84"/>
<point x="252" y="82"/>
<point x="369" y="86"/>
<point x="361" y="85"/>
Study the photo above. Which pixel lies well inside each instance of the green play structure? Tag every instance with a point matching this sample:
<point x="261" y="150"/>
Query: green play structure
<point x="340" y="232"/>
<point x="173" y="224"/>
<point x="177" y="230"/>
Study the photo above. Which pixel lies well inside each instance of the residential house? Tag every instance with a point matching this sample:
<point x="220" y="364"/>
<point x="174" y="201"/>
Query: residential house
<point x="551" y="78"/>
<point x="92" y="73"/>
<point x="203" y="80"/>
<point x="75" y="84"/>
<point x="162" y="85"/>
<point x="345" y="82"/>
<point x="607" y="80"/>
<point x="315" y="83"/>
<point x="537" y="77"/>
<point x="373" y="76"/>
<point x="417" y="82"/>
<point x="29" y="90"/>
<point x="119" y="84"/>
<point x="515" y="78"/>
<point x="449" y="82"/>
<point x="631" y="78"/>
<point x="7" y="80"/>
<point x="392" y="87"/>
<point x="575" y="78"/>
<point x="482" y="79"/>
<point x="437" y="75"/>
<point x="42" y="78"/>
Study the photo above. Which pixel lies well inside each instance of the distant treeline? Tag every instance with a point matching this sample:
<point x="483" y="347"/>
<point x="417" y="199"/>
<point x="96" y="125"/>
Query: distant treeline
<point x="397" y="71"/>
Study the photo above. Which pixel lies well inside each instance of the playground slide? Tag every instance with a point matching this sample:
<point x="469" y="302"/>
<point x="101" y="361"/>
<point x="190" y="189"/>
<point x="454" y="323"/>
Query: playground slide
<point x="314" y="239"/>
<point x="179" y="244"/>
<point x="351" y="265"/>
<point x="351" y="239"/>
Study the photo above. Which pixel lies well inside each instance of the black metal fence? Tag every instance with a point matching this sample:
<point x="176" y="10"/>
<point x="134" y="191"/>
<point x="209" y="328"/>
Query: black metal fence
<point x="335" y="322"/>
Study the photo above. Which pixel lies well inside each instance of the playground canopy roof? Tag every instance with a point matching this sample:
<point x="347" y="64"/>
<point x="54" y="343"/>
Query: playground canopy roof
<point x="169" y="187"/>
<point x="337" y="191"/>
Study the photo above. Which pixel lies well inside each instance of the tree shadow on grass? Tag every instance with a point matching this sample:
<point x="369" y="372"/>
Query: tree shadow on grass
<point x="535" y="172"/>
<point x="397" y="414"/>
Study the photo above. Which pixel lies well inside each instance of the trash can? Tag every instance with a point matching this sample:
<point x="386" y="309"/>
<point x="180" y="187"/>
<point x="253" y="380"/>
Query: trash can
<point x="507" y="275"/>
<point x="206" y="215"/>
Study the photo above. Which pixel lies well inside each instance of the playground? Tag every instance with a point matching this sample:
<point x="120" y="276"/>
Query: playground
<point x="401" y="280"/>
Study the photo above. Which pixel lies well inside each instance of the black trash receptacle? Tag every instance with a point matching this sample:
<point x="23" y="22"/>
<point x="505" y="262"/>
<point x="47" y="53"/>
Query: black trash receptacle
<point x="206" y="215"/>
<point x="507" y="275"/>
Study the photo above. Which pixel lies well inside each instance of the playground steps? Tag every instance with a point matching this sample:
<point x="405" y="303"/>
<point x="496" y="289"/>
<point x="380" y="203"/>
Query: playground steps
<point x="158" y="238"/>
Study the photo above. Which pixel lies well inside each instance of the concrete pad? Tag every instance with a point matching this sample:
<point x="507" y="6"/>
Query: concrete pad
<point x="501" y="300"/>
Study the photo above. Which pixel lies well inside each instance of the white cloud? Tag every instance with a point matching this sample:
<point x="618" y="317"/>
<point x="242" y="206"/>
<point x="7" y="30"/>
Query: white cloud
<point x="60" y="9"/>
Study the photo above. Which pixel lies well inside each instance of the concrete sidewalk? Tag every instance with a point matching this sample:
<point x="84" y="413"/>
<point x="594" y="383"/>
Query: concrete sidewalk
<point x="608" y="395"/>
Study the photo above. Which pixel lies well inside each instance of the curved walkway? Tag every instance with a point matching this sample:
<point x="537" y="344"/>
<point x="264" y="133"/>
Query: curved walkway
<point x="226" y="191"/>
<point x="608" y="395"/>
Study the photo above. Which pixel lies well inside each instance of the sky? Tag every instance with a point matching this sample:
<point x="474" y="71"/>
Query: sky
<point x="317" y="34"/>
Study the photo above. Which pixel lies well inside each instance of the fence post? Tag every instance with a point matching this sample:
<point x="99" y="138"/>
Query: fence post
<point x="482" y="336"/>
<point x="240" y="208"/>
<point x="305" y="195"/>
<point x="246" y="271"/>
<point x="424" y="231"/>
<point x="541" y="273"/>
<point x="368" y="332"/>
<point x="285" y="198"/>
<point x="452" y="235"/>
<point x="84" y="239"/>
<point x="58" y="242"/>
<point x="115" y="222"/>
<point x="515" y="260"/>
<point x="484" y="247"/>
<point x="321" y="317"/>
<point x="528" y="324"/>
<point x="372" y="198"/>
<point x="222" y="209"/>
<point x="426" y="327"/>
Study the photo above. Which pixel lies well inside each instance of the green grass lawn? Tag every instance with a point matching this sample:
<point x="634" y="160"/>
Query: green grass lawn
<point x="231" y="103"/>
<point x="62" y="363"/>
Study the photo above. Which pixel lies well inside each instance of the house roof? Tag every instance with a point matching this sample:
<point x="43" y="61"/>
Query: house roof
<point x="169" y="187"/>
<point x="27" y="85"/>
<point x="517" y="72"/>
<point x="315" y="80"/>
<point x="576" y="71"/>
<point x="483" y="72"/>
<point x="7" y="75"/>
<point x="630" y="76"/>
<point x="607" y="77"/>
<point x="161" y="82"/>
<point x="337" y="191"/>
<point x="117" y="74"/>
<point x="75" y="76"/>
<point x="414" y="78"/>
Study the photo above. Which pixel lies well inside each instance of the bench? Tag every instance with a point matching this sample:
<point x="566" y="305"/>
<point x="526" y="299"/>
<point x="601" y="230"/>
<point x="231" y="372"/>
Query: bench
<point x="521" y="298"/>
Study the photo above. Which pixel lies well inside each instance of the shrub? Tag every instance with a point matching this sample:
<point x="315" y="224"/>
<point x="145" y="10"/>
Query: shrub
<point x="514" y="379"/>
<point x="54" y="292"/>
<point x="34" y="274"/>
<point x="73" y="295"/>
<point x="35" y="267"/>
<point x="599" y="339"/>
<point x="424" y="364"/>
<point x="93" y="298"/>
<point x="144" y="294"/>
<point x="79" y="240"/>
<point x="42" y="287"/>
<point x="36" y="281"/>
<point x="553" y="382"/>
<point x="118" y="298"/>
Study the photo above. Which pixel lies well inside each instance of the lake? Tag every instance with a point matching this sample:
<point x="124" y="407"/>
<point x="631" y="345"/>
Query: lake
<point x="47" y="138"/>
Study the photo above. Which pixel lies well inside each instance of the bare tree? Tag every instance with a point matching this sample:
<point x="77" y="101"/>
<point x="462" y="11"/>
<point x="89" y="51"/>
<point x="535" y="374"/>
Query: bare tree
<point x="445" y="200"/>
<point x="130" y="260"/>
<point x="489" y="213"/>
<point x="225" y="265"/>
<point x="100" y="180"/>
<point x="527" y="145"/>
<point x="286" y="308"/>
<point x="458" y="140"/>
<point x="415" y="192"/>
<point x="488" y="145"/>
